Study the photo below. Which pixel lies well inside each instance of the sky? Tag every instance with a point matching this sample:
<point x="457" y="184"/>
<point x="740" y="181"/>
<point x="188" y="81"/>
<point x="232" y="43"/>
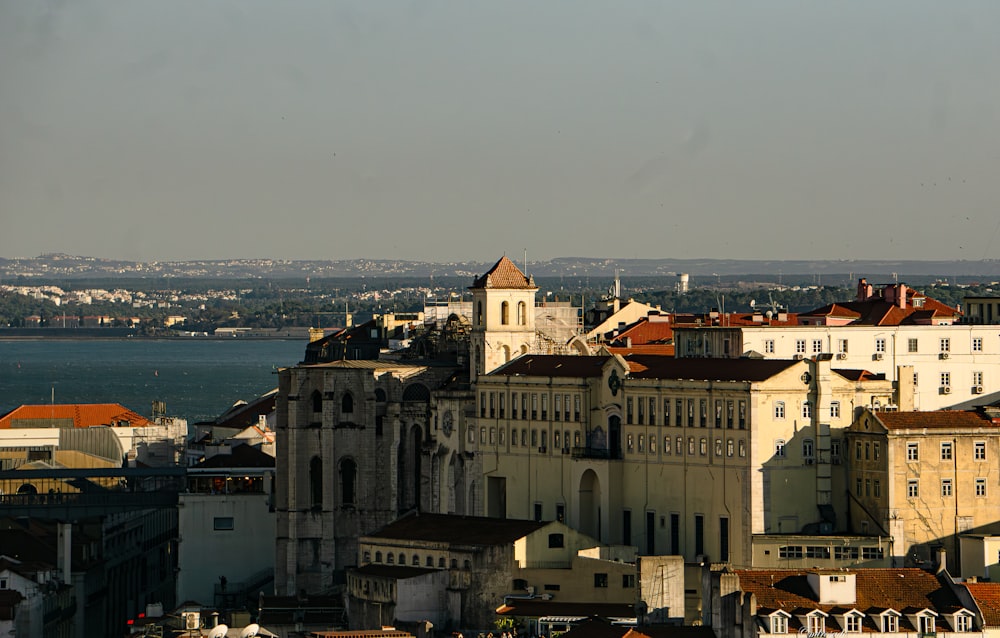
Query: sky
<point x="453" y="131"/>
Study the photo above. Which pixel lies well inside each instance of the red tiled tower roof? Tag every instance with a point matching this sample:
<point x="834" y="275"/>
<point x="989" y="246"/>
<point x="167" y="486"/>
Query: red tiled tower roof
<point x="504" y="274"/>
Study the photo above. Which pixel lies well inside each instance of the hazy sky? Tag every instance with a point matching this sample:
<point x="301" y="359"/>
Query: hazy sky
<point x="461" y="130"/>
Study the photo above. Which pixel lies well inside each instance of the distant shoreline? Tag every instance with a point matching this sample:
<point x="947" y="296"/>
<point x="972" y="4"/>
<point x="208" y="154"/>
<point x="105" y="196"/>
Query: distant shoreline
<point x="62" y="336"/>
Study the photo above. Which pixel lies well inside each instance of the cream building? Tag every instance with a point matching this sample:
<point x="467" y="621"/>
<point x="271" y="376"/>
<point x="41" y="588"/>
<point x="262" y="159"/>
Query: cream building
<point x="921" y="479"/>
<point x="676" y="456"/>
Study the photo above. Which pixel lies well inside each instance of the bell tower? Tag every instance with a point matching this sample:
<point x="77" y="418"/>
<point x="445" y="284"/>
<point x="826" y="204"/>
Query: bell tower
<point x="503" y="317"/>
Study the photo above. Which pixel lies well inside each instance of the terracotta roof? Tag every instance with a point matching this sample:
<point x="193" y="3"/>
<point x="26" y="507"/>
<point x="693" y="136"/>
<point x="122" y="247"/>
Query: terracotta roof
<point x="459" y="530"/>
<point x="76" y="415"/>
<point x="553" y="365"/>
<point x="661" y="349"/>
<point x="659" y="367"/>
<point x="596" y="627"/>
<point x="241" y="456"/>
<point x="645" y="331"/>
<point x="940" y="419"/>
<point x="987" y="596"/>
<point x="878" y="312"/>
<point x="905" y="590"/>
<point x="505" y="275"/>
<point x="538" y="608"/>
<point x="859" y="375"/>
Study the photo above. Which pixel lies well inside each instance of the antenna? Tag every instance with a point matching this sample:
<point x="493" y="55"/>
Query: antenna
<point x="250" y="631"/>
<point x="219" y="631"/>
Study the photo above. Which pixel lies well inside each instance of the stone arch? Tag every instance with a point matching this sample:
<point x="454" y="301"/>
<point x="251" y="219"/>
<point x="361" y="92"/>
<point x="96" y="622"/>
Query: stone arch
<point x="316" y="398"/>
<point x="416" y="392"/>
<point x="380" y="396"/>
<point x="590" y="504"/>
<point x="522" y="313"/>
<point x="505" y="313"/>
<point x="524" y="349"/>
<point x="506" y="353"/>
<point x="27" y="488"/>
<point x="347" y="403"/>
<point x="579" y="346"/>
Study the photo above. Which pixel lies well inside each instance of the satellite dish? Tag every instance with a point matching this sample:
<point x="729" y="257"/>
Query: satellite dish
<point x="219" y="631"/>
<point x="250" y="631"/>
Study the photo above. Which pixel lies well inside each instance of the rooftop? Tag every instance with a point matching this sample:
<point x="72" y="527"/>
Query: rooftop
<point x="504" y="275"/>
<point x="72" y="415"/>
<point x="459" y="530"/>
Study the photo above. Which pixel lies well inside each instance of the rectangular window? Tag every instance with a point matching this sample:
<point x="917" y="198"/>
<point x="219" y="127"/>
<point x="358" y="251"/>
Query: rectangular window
<point x="628" y="581"/>
<point x="835" y="450"/>
<point x="560" y="513"/>
<point x="666" y="445"/>
<point x="817" y="346"/>
<point x="641" y="411"/>
<point x="779" y="624"/>
<point x="911" y="345"/>
<point x="977" y="378"/>
<point x="800" y="346"/>
<point x="743" y="414"/>
<point x="945" y="345"/>
<point x="493" y="404"/>
<point x="534" y="406"/>
<point x="703" y="413"/>
<point x="779" y="448"/>
<point x="877" y="491"/>
<point x="513" y="405"/>
<point x="769" y="346"/>
<point x="628" y="411"/>
<point x="545" y="407"/>
<point x="835" y="409"/>
<point x="666" y="412"/>
<point x="627" y="527"/>
<point x="880" y="345"/>
<point x="642" y="443"/>
<point x="790" y="551"/>
<point x="946" y="451"/>
<point x="482" y="405"/>
<point x="223" y="523"/>
<point x="679" y="413"/>
<point x="878" y="449"/>
<point x="652" y="411"/>
<point x="538" y="511"/>
<point x="724" y="539"/>
<point x="557" y="407"/>
<point x="842" y="346"/>
<point x="946" y="487"/>
<point x="779" y="409"/>
<point x="945" y="379"/>
<point x="980" y="487"/>
<point x="690" y="413"/>
<point x="912" y="488"/>
<point x="817" y="551"/>
<point x="699" y="534"/>
<point x="977" y="344"/>
<point x="576" y="408"/>
<point x="871" y="553"/>
<point x="979" y="451"/>
<point x="675" y="534"/>
<point x="601" y="580"/>
<point x="845" y="553"/>
<point x="912" y="451"/>
<point x="718" y="414"/>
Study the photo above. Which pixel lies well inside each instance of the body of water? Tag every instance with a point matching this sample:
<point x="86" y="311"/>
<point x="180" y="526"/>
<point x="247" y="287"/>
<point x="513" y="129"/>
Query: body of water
<point x="198" y="379"/>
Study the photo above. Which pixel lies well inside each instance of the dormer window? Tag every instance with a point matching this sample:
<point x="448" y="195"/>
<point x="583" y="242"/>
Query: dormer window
<point x="890" y="621"/>
<point x="926" y="625"/>
<point x="963" y="620"/>
<point x="816" y="623"/>
<point x="779" y="623"/>
<point x="852" y="621"/>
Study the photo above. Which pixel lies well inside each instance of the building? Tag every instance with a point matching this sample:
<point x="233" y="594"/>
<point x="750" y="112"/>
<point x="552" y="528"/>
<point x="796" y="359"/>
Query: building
<point x="875" y="602"/>
<point x="981" y="310"/>
<point x="34" y="601"/>
<point x="922" y="479"/>
<point x="953" y="364"/>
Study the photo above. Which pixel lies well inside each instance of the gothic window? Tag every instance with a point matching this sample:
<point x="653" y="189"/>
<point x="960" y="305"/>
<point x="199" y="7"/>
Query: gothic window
<point x="348" y="481"/>
<point x="347" y="403"/>
<point x="317" y="401"/>
<point x="316" y="481"/>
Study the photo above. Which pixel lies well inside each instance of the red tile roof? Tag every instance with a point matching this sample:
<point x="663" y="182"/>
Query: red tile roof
<point x="659" y="367"/>
<point x="940" y="419"/>
<point x="504" y="274"/>
<point x="878" y="312"/>
<point x="540" y="608"/>
<point x="905" y="590"/>
<point x="77" y="415"/>
<point x="987" y="596"/>
<point x="644" y="332"/>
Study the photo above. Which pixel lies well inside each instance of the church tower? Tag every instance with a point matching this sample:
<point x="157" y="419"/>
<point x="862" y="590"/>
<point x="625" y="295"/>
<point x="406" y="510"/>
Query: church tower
<point x="503" y="317"/>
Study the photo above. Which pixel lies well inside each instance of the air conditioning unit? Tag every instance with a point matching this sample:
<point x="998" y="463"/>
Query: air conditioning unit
<point x="946" y="389"/>
<point x="945" y="355"/>
<point x="878" y="356"/>
<point x="841" y="355"/>
<point x="977" y="389"/>
<point x="800" y="357"/>
<point x="192" y="621"/>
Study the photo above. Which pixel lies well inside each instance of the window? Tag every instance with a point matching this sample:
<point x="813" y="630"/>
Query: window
<point x="513" y="406"/>
<point x="779" y="624"/>
<point x="926" y="625"/>
<point x="679" y="413"/>
<point x="857" y="487"/>
<point x="800" y="346"/>
<point x="629" y="446"/>
<point x="845" y="553"/>
<point x="724" y="539"/>
<point x="945" y="345"/>
<point x="945" y="379"/>
<point x="890" y="622"/>
<point x="980" y="487"/>
<point x="628" y="581"/>
<point x="652" y="444"/>
<point x="835" y="450"/>
<point x="871" y="553"/>
<point x="690" y="446"/>
<point x="790" y="551"/>
<point x="852" y="623"/>
<point x="842" y="346"/>
<point x="538" y="511"/>
<point x="223" y="524"/>
<point x="558" y="408"/>
<point x="703" y="446"/>
<point x="977" y="378"/>
<point x="718" y="414"/>
<point x="911" y="345"/>
<point x="779" y="409"/>
<point x="817" y="551"/>
<point x="769" y="346"/>
<point x="652" y="411"/>
<point x="816" y="625"/>
<point x="642" y="444"/>
<point x="946" y="487"/>
<point x="534" y="406"/>
<point x="641" y="411"/>
<point x="679" y="450"/>
<point x="807" y="449"/>
<point x="729" y="447"/>
<point x="877" y="491"/>
<point x="880" y="345"/>
<point x="505" y="313"/>
<point x="743" y="414"/>
<point x="600" y="580"/>
<point x="703" y="413"/>
<point x="556" y="439"/>
<point x="317" y="401"/>
<point x="963" y="622"/>
<point x="699" y="534"/>
<point x="348" y="479"/>
<point x="666" y="412"/>
<point x="779" y="448"/>
<point x="946" y="451"/>
<point x="977" y="344"/>
<point x="912" y="488"/>
<point x="743" y="448"/>
<point x="690" y="413"/>
<point x="835" y="409"/>
<point x="576" y="408"/>
<point x="522" y="314"/>
<point x="878" y="449"/>
<point x="817" y="346"/>
<point x="718" y="447"/>
<point x="979" y="451"/>
<point x="807" y="410"/>
<point x="912" y="451"/>
<point x="628" y="411"/>
<point x="666" y="445"/>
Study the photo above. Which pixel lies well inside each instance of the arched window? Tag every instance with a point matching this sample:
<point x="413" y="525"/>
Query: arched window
<point x="416" y="561"/>
<point x="416" y="392"/>
<point x="402" y="558"/>
<point x="522" y="313"/>
<point x="479" y="313"/>
<point x="505" y="313"/>
<point x="317" y="401"/>
<point x="316" y="481"/>
<point x="379" y="395"/>
<point x="441" y="562"/>
<point x="390" y="558"/>
<point x="348" y="481"/>
<point x="378" y="557"/>
<point x="347" y="403"/>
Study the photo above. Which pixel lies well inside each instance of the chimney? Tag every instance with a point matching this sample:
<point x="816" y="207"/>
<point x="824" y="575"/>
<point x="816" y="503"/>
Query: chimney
<point x="942" y="560"/>
<point x="864" y="290"/>
<point x="901" y="296"/>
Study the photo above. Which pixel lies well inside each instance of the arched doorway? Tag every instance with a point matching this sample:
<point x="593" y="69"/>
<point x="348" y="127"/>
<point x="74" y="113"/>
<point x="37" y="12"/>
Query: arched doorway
<point x="590" y="504"/>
